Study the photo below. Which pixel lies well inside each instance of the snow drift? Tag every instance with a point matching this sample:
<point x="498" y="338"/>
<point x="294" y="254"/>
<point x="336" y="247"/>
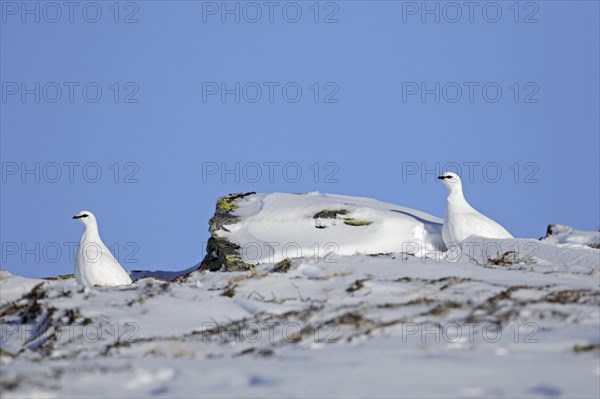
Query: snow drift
<point x="249" y="229"/>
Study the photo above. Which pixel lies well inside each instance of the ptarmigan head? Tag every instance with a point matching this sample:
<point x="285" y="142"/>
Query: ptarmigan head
<point x="450" y="180"/>
<point x="86" y="218"/>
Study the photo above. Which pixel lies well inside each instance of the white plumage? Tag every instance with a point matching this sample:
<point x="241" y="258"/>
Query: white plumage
<point x="94" y="264"/>
<point x="461" y="220"/>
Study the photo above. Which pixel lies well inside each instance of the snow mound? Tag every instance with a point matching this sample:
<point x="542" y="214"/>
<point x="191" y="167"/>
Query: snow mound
<point x="559" y="234"/>
<point x="272" y="227"/>
<point x="13" y="287"/>
<point x="528" y="254"/>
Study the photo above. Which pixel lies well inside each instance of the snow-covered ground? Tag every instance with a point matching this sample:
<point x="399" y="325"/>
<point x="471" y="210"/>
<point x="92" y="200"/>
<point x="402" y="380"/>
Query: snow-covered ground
<point x="499" y="318"/>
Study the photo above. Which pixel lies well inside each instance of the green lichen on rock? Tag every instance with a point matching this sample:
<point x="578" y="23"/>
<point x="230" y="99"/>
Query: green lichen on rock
<point x="227" y="202"/>
<point x="220" y="252"/>
<point x="354" y="222"/>
<point x="330" y="213"/>
<point x="232" y="258"/>
<point x="224" y="212"/>
<point x="586" y="348"/>
<point x="4" y="352"/>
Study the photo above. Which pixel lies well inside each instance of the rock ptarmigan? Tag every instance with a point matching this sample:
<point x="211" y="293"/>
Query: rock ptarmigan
<point x="461" y="219"/>
<point x="94" y="264"/>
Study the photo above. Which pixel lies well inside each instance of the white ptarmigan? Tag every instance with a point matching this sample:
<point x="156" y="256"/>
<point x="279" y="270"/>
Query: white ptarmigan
<point x="94" y="264"/>
<point x="461" y="219"/>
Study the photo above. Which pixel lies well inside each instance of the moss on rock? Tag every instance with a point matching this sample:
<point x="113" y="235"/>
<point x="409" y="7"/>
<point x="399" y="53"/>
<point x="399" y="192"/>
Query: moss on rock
<point x="220" y="252"/>
<point x="586" y="348"/>
<point x="354" y="222"/>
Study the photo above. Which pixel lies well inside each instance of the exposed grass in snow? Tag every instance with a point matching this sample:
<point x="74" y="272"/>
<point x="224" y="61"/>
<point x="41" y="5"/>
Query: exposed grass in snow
<point x="60" y="277"/>
<point x="586" y="348"/>
<point x="316" y="322"/>
<point x="354" y="222"/>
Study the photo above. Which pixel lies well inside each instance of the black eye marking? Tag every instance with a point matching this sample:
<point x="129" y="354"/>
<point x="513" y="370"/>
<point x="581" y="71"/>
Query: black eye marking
<point x="84" y="215"/>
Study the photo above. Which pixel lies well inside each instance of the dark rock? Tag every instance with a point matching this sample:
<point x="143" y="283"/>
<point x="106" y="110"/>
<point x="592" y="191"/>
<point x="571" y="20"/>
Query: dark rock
<point x="220" y="252"/>
<point x="283" y="266"/>
<point x="357" y="285"/>
<point x="330" y="213"/>
<point x="556" y="229"/>
<point x="60" y="277"/>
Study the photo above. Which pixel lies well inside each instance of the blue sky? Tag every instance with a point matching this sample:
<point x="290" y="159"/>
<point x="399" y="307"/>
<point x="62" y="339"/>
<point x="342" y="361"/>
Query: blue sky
<point x="128" y="118"/>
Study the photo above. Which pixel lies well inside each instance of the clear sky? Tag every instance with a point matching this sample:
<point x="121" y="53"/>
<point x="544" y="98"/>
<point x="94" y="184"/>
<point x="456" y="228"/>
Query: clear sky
<point x="134" y="111"/>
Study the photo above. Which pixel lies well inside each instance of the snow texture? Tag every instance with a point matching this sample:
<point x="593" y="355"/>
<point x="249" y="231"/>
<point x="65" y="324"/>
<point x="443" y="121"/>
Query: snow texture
<point x="492" y="318"/>
<point x="277" y="226"/>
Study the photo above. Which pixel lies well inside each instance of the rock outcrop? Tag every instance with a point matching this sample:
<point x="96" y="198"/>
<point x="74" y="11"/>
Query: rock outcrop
<point x="248" y="229"/>
<point x="220" y="252"/>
